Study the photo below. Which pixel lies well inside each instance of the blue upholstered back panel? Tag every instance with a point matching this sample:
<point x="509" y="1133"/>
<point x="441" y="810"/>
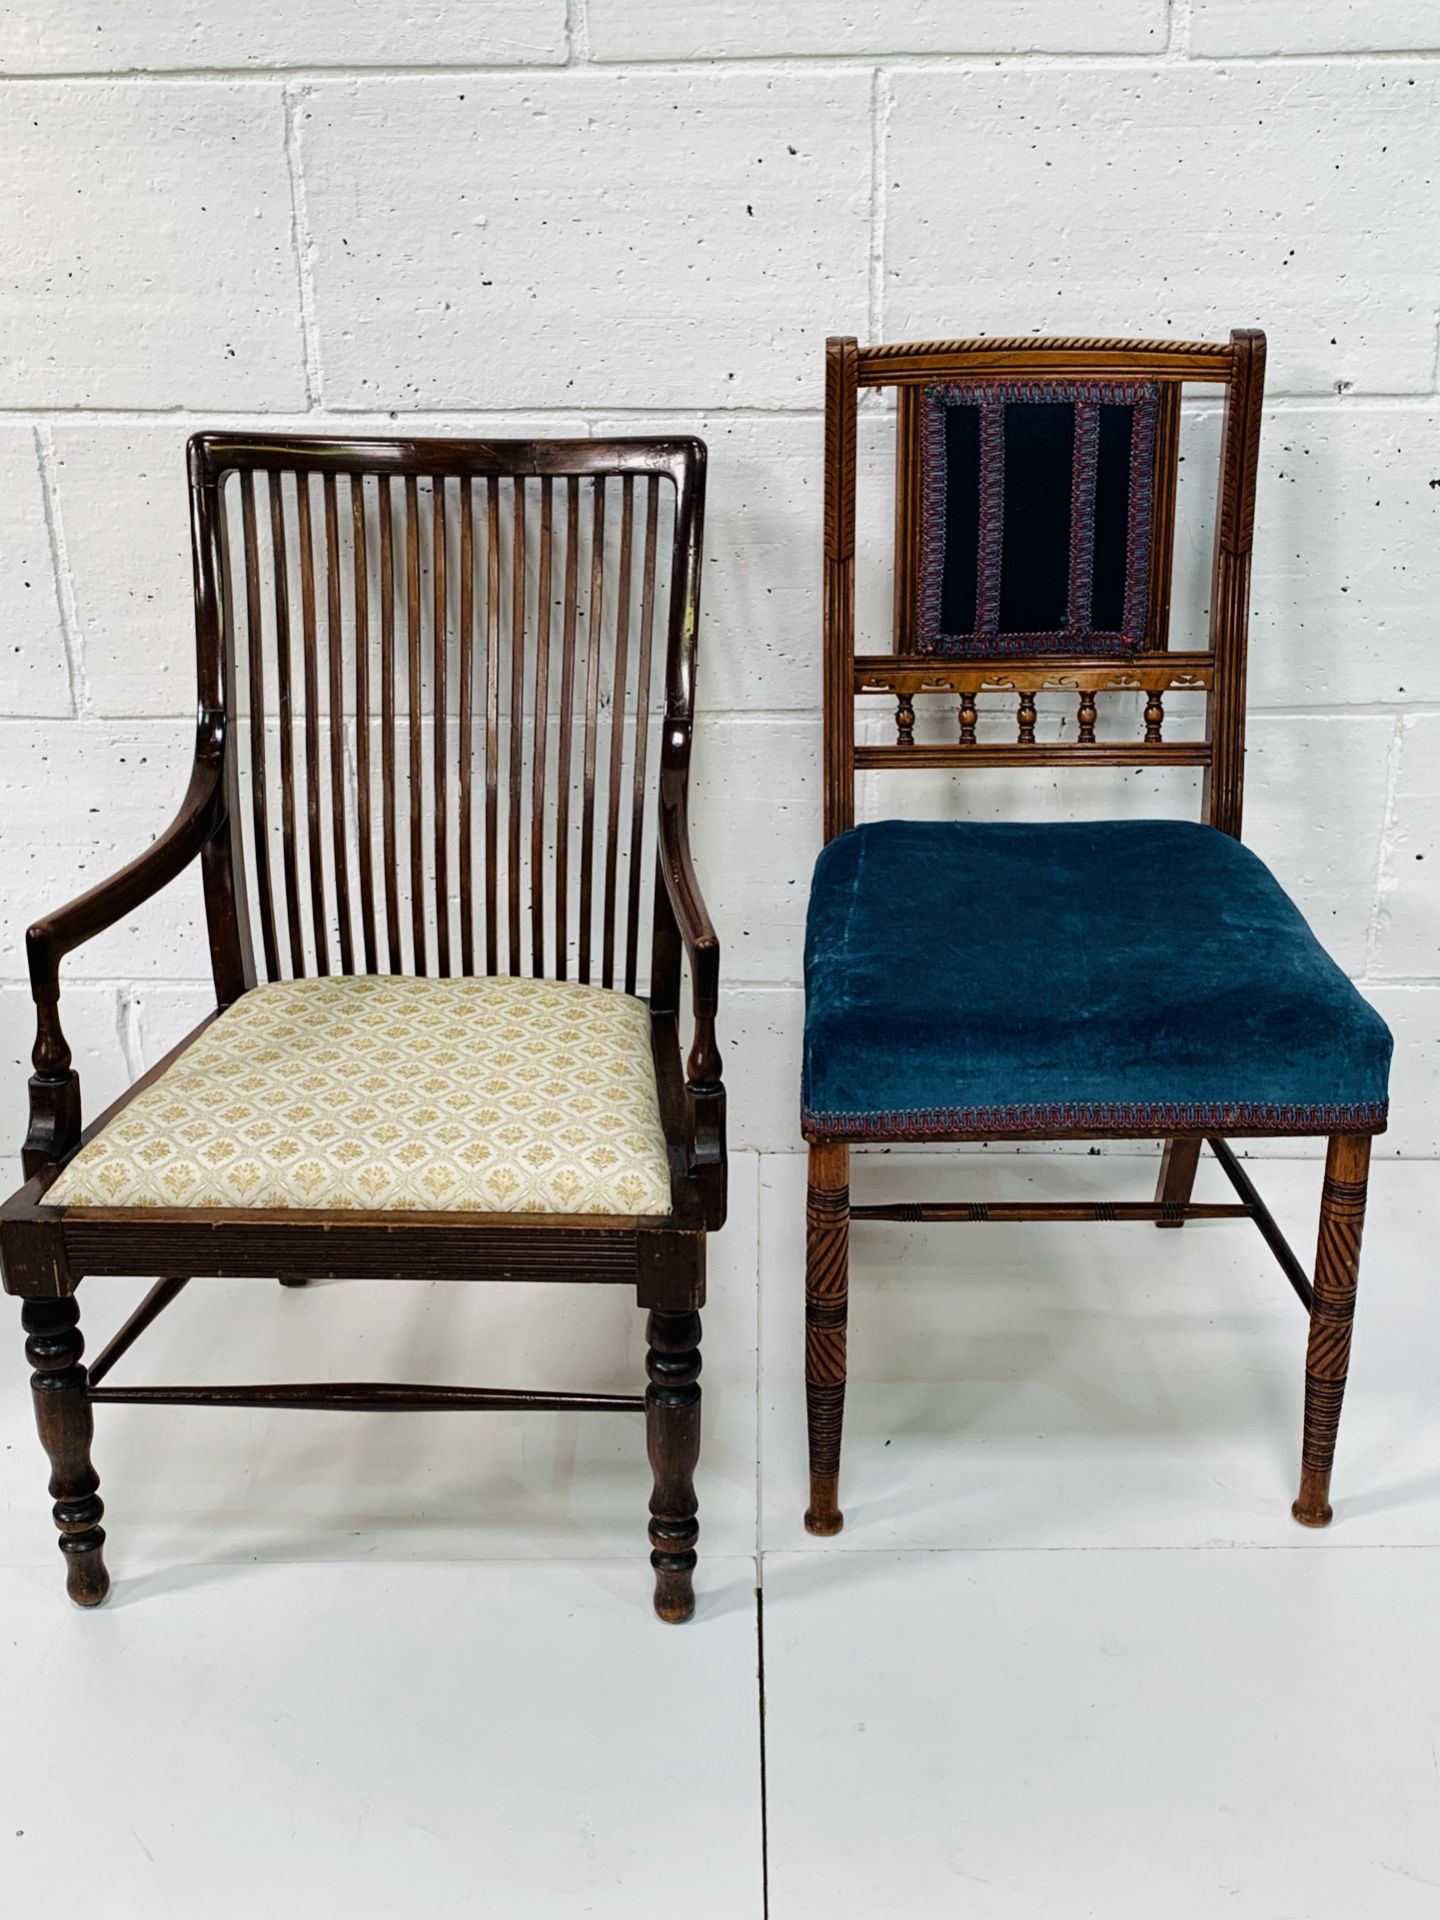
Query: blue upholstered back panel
<point x="1036" y="503"/>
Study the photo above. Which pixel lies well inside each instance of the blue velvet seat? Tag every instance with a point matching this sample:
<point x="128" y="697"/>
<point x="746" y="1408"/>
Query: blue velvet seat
<point x="1150" y="976"/>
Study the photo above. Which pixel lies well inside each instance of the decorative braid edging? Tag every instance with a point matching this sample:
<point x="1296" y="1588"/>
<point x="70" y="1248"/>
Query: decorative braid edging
<point x="1145" y="1117"/>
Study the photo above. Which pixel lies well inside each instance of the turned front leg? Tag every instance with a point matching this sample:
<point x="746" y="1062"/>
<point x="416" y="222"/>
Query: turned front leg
<point x="1332" y="1314"/>
<point x="66" y="1424"/>
<point x="672" y="1438"/>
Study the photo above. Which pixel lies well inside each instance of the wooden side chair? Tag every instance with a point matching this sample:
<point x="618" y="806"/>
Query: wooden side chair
<point x="446" y="691"/>
<point x="977" y="982"/>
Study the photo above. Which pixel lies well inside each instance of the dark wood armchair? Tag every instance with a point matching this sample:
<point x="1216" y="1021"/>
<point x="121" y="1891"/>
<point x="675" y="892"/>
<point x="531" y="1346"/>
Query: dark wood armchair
<point x="974" y="982"/>
<point x="446" y="691"/>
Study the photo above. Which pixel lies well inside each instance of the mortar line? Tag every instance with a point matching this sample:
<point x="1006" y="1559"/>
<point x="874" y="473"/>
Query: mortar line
<point x="1182" y="21"/>
<point x="94" y="719"/>
<point x="1382" y="862"/>
<point x="694" y="65"/>
<point x="1326" y="401"/>
<point x="127" y="1031"/>
<point x="65" y="601"/>
<point x="301" y="246"/>
<point x="879" y="138"/>
<point x="577" y="33"/>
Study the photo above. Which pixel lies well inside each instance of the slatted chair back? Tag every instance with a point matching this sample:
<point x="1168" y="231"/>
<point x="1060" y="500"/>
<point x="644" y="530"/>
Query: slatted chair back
<point x="435" y="670"/>
<point x="1034" y="549"/>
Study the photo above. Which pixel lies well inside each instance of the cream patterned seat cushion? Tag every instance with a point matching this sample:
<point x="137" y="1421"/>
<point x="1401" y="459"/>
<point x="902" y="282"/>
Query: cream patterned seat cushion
<point x="488" y="1096"/>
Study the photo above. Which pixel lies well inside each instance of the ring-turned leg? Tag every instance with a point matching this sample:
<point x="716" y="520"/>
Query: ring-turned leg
<point x="63" y="1415"/>
<point x="1327" y="1359"/>
<point x="827" y="1280"/>
<point x="1177" y="1177"/>
<point x="672" y="1438"/>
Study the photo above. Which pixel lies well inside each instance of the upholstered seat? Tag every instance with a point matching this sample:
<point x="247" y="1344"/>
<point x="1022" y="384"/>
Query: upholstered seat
<point x="1010" y="978"/>
<point x="478" y="1095"/>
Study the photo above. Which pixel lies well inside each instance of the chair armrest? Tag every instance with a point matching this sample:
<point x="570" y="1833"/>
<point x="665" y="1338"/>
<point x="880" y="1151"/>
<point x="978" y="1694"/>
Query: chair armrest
<point x="54" y="1087"/>
<point x="704" y="1089"/>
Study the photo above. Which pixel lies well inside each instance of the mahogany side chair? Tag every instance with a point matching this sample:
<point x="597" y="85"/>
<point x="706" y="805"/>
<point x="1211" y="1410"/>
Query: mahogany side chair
<point x="1002" y="981"/>
<point x="446" y="694"/>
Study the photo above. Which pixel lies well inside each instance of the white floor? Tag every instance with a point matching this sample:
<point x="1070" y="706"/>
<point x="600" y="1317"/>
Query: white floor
<point x="1070" y="1656"/>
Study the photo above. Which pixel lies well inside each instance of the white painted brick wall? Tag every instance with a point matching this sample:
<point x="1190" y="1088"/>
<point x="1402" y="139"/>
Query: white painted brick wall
<point x="149" y="256"/>
<point x="597" y="215"/>
<point x="96" y="36"/>
<point x="1319" y="26"/>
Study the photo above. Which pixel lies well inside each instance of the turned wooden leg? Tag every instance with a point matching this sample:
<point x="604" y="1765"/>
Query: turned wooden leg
<point x="63" y="1415"/>
<point x="1332" y="1313"/>
<point x="827" y="1279"/>
<point x="1177" y="1177"/>
<point x="672" y="1439"/>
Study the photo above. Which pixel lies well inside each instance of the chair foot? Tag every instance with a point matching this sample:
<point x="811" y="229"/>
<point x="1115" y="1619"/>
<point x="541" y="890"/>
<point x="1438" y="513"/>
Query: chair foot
<point x="1332" y="1314"/>
<point x="66" y="1425"/>
<point x="827" y="1298"/>
<point x="823" y="1515"/>
<point x="672" y="1438"/>
<point x="1312" y="1508"/>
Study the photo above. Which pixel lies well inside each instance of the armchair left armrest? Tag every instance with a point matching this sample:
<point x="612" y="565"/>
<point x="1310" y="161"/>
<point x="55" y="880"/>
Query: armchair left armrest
<point x="54" y="1086"/>
<point x="704" y="1088"/>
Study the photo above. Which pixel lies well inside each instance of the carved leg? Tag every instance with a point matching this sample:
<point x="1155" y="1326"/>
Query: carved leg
<point x="827" y="1278"/>
<point x="1327" y="1359"/>
<point x="62" y="1413"/>
<point x="672" y="1438"/>
<point x="1177" y="1176"/>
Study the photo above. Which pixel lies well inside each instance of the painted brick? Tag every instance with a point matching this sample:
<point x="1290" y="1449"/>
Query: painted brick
<point x="1414" y="1017"/>
<point x="586" y="239"/>
<point x="88" y="36"/>
<point x="1156" y="200"/>
<point x="717" y="29"/>
<point x="760" y="591"/>
<point x="755" y="830"/>
<point x="164" y="1014"/>
<point x="1320" y="26"/>
<point x="1315" y="812"/>
<point x="149" y="260"/>
<point x="76" y="803"/>
<point x="130" y="567"/>
<point x="1347" y="519"/>
<point x="124" y="504"/>
<point x="761" y="1030"/>
<point x="1408" y="927"/>
<point x="34" y="674"/>
<point x="92" y="1018"/>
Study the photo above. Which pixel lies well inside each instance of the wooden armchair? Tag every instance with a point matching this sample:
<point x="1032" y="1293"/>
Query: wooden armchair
<point x="973" y="982"/>
<point x="426" y="798"/>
